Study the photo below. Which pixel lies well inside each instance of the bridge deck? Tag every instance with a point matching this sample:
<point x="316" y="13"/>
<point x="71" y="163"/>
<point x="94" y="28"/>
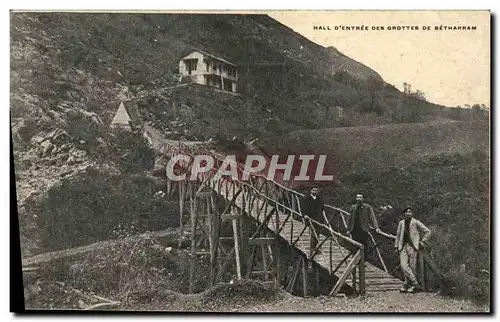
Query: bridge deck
<point x="376" y="279"/>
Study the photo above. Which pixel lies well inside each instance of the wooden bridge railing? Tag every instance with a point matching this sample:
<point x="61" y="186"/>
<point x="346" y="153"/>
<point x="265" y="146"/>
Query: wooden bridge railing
<point x="276" y="204"/>
<point x="274" y="199"/>
<point x="287" y="201"/>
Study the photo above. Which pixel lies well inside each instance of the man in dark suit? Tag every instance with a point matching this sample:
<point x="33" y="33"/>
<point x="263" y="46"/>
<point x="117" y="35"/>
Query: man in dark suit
<point x="312" y="208"/>
<point x="362" y="221"/>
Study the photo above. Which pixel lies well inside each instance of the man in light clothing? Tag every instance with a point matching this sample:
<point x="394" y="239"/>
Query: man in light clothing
<point x="408" y="241"/>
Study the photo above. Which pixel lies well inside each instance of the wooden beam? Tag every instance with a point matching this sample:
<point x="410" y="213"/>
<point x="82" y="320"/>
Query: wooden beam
<point x="229" y="205"/>
<point x="216" y="236"/>
<point x="169" y="187"/>
<point x="244" y="240"/>
<point x="300" y="235"/>
<point x="304" y="276"/>
<point x="318" y="247"/>
<point x="283" y="225"/>
<point x="362" y="272"/>
<point x="331" y="257"/>
<point x="262" y="241"/>
<point x="263" y="223"/>
<point x="264" y="262"/>
<point x="341" y="262"/>
<point x="277" y="257"/>
<point x="294" y="277"/>
<point x="227" y="217"/>
<point x="378" y="252"/>
<point x="193" y="244"/>
<point x="250" y="262"/>
<point x="211" y="239"/>
<point x="236" y="247"/>
<point x="224" y="265"/>
<point x="182" y="192"/>
<point x="316" y="275"/>
<point x="354" y="280"/>
<point x="421" y="269"/>
<point x="348" y="271"/>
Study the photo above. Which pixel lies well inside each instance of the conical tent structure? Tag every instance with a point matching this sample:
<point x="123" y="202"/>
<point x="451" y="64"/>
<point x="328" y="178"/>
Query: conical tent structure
<point x="122" y="118"/>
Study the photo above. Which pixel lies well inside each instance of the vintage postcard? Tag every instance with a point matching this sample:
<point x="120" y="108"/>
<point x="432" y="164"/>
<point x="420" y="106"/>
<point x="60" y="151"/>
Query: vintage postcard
<point x="252" y="161"/>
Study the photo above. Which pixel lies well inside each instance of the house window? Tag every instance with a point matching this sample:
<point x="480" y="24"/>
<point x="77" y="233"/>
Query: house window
<point x="232" y="71"/>
<point x="191" y="65"/>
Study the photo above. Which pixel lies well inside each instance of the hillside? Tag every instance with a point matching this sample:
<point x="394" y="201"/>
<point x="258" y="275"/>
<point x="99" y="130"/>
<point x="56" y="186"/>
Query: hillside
<point x="282" y="74"/>
<point x="391" y="145"/>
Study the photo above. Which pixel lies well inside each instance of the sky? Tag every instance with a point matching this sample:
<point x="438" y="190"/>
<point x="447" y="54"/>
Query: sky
<point x="452" y="67"/>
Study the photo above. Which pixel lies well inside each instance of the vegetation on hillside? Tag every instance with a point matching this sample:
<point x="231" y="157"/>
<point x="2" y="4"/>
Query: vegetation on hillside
<point x="292" y="81"/>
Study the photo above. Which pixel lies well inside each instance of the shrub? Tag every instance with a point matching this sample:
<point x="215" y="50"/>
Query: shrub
<point x="88" y="208"/>
<point x="466" y="286"/>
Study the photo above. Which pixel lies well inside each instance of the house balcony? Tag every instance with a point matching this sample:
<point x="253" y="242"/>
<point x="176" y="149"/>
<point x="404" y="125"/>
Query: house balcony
<point x="218" y="73"/>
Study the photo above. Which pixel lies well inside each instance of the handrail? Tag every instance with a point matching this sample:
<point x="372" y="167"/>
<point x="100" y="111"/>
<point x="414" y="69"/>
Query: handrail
<point x="190" y="147"/>
<point x="238" y="165"/>
<point x="339" y="235"/>
<point x="333" y="232"/>
<point x="281" y="193"/>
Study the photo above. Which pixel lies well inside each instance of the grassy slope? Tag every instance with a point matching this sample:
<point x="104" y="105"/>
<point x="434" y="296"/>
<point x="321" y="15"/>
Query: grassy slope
<point x="398" y="145"/>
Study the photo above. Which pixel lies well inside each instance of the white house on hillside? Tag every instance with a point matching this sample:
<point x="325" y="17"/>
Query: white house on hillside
<point x="206" y="69"/>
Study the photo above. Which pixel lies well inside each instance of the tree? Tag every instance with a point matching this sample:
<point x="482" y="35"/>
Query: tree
<point x="374" y="86"/>
<point x="417" y="94"/>
<point x="406" y="88"/>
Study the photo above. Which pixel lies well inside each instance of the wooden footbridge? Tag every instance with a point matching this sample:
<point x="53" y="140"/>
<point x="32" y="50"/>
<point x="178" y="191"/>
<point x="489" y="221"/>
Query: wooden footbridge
<point x="277" y="219"/>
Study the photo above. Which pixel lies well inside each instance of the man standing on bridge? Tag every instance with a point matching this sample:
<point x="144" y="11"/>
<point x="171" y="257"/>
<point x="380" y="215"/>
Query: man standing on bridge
<point x="362" y="220"/>
<point x="312" y="208"/>
<point x="408" y="241"/>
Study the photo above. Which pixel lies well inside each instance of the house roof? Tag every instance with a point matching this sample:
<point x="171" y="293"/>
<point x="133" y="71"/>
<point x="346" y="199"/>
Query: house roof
<point x="213" y="56"/>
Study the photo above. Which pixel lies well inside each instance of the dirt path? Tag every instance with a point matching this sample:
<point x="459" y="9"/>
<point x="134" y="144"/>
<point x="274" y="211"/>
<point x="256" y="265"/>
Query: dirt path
<point x="384" y="302"/>
<point x="47" y="257"/>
